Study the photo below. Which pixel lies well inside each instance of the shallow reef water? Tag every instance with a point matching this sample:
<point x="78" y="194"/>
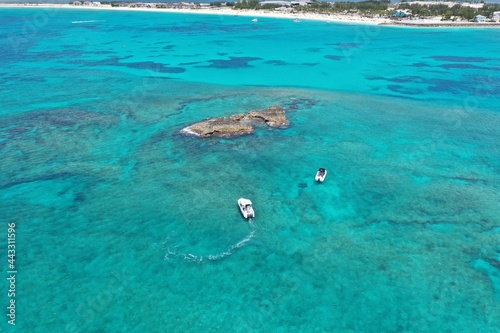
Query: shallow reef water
<point x="126" y="224"/>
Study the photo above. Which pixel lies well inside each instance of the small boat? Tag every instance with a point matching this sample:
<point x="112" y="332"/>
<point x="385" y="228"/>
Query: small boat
<point x="296" y="20"/>
<point x="246" y="208"/>
<point x="255" y="20"/>
<point x="320" y="175"/>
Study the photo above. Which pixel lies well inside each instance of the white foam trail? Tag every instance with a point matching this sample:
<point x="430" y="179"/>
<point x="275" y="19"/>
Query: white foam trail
<point x="233" y="247"/>
<point x="88" y="21"/>
<point x="189" y="257"/>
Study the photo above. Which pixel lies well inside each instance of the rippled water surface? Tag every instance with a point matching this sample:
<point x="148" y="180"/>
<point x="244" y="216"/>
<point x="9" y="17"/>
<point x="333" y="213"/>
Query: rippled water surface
<point x="125" y="225"/>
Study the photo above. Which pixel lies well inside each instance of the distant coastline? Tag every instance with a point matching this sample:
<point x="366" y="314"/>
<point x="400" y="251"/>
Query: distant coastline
<point x="431" y="24"/>
<point x="352" y="18"/>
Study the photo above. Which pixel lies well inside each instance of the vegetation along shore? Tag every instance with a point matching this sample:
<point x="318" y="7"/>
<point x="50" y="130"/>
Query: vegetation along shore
<point x="415" y="13"/>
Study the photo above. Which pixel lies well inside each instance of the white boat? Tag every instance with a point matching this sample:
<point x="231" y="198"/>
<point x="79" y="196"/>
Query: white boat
<point x="255" y="20"/>
<point x="246" y="208"/>
<point x="320" y="175"/>
<point x="296" y="20"/>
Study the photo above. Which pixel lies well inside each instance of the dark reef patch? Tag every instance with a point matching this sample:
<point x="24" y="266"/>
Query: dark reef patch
<point x="402" y="89"/>
<point x="23" y="78"/>
<point x="233" y="62"/>
<point x="101" y="52"/>
<point x="48" y="55"/>
<point x="334" y="57"/>
<point x="276" y="62"/>
<point x="221" y="42"/>
<point x="190" y="63"/>
<point x="189" y="55"/>
<point x="314" y="49"/>
<point x="154" y="66"/>
<point x="300" y="103"/>
<point x="483" y="86"/>
<point x="54" y="118"/>
<point x="112" y="61"/>
<point x="346" y="46"/>
<point x="459" y="59"/>
<point x="168" y="47"/>
<point x="159" y="78"/>
<point x="420" y="64"/>
<point x="43" y="177"/>
<point x="467" y="66"/>
<point x="398" y="79"/>
<point x="117" y="61"/>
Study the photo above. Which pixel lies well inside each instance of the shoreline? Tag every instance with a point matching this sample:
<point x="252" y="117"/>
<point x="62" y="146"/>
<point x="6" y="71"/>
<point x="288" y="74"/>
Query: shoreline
<point x="354" y="19"/>
<point x="442" y="24"/>
<point x="328" y="18"/>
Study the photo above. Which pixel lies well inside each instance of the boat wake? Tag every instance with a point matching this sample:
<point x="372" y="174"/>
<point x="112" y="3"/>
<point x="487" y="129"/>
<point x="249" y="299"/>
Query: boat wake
<point x="175" y="254"/>
<point x="88" y="21"/>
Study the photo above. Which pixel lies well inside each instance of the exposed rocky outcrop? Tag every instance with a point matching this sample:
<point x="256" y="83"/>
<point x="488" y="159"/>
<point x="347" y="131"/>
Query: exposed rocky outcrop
<point x="273" y="116"/>
<point x="239" y="124"/>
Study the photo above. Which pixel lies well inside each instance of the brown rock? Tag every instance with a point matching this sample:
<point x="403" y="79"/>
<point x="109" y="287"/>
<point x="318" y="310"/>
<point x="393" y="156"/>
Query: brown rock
<point x="273" y="116"/>
<point x="219" y="127"/>
<point x="239" y="124"/>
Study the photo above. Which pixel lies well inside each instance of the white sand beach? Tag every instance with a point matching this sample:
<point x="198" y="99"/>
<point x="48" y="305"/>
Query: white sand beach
<point x="348" y="18"/>
<point x="258" y="15"/>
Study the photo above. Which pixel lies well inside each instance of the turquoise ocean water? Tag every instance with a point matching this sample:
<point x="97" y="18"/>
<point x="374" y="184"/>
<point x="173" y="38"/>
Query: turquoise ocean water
<point x="125" y="225"/>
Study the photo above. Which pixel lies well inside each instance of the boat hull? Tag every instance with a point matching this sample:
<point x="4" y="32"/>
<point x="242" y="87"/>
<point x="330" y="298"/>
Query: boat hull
<point x="320" y="177"/>
<point x="246" y="208"/>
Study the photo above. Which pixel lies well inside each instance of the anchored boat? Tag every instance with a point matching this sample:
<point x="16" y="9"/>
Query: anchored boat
<point x="320" y="175"/>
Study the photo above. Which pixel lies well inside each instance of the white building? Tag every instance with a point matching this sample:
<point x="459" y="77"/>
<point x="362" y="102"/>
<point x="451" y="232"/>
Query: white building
<point x="301" y="3"/>
<point x="495" y="16"/>
<point x="276" y="3"/>
<point x="479" y="18"/>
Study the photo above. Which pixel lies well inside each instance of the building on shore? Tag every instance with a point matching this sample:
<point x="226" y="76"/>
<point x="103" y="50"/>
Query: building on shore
<point x="284" y="3"/>
<point x="301" y="3"/>
<point x="479" y="18"/>
<point x="400" y="15"/>
<point x="87" y="3"/>
<point x="276" y="3"/>
<point x="495" y="16"/>
<point x="143" y="5"/>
